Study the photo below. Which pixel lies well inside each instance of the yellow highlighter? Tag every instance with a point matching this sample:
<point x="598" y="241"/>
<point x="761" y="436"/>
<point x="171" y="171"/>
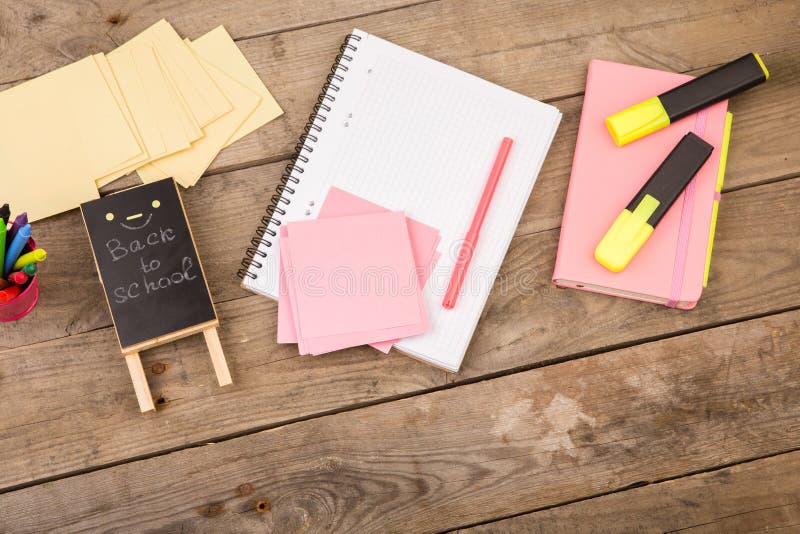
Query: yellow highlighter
<point x="662" y="110"/>
<point x="633" y="227"/>
<point x="723" y="159"/>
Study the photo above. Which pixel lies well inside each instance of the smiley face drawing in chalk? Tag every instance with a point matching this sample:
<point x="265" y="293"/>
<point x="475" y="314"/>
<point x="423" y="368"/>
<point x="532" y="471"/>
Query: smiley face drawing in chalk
<point x="131" y="226"/>
<point x="147" y="261"/>
<point x="150" y="272"/>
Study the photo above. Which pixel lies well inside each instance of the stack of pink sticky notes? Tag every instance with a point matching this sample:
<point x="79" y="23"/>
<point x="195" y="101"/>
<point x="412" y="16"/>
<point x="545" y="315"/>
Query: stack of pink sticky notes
<point x="353" y="276"/>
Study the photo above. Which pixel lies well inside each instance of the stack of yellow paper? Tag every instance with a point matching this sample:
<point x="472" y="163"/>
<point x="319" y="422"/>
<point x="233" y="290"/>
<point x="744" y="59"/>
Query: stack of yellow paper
<point x="157" y="104"/>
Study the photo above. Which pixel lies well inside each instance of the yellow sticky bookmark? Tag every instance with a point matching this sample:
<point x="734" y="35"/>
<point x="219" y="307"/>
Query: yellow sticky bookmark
<point x="71" y="116"/>
<point x="723" y="160"/>
<point x="189" y="165"/>
<point x="218" y="48"/>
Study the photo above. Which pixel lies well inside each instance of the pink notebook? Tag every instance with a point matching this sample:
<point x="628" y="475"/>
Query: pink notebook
<point x="669" y="269"/>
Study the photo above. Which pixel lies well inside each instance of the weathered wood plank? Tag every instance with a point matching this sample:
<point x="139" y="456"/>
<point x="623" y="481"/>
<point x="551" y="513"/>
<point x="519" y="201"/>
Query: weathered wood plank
<point x="755" y="496"/>
<point x="753" y="271"/>
<point x="241" y="202"/>
<point x="465" y="454"/>
<point x="82" y="386"/>
<point x="558" y="39"/>
<point x="538" y="50"/>
<point x="40" y="35"/>
<point x="68" y="404"/>
<point x="240" y="197"/>
<point x="763" y="143"/>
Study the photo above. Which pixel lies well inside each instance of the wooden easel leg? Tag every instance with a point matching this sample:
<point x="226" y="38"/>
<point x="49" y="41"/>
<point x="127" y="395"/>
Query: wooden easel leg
<point x="217" y="357"/>
<point x="139" y="382"/>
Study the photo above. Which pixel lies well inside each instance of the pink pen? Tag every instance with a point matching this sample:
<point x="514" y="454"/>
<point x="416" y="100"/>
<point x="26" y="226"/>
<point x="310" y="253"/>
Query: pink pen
<point x="471" y="239"/>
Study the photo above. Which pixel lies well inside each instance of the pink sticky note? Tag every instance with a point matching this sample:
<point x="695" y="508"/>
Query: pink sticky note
<point x="424" y="238"/>
<point x="338" y="203"/>
<point x="352" y="280"/>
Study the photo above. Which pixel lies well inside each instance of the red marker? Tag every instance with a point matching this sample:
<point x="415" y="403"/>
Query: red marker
<point x="9" y="294"/>
<point x="471" y="239"/>
<point x="18" y="278"/>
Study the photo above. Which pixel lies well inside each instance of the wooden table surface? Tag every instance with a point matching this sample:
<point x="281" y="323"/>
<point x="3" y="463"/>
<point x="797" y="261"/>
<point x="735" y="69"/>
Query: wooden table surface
<point x="572" y="411"/>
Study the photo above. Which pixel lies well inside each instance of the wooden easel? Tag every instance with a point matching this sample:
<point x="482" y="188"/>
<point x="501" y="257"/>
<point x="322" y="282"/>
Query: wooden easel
<point x="136" y="370"/>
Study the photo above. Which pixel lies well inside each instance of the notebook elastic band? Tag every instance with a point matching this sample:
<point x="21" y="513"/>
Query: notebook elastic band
<point x="684" y="230"/>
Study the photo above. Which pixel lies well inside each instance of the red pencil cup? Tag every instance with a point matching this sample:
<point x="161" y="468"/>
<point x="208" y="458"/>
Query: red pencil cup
<point x="23" y="303"/>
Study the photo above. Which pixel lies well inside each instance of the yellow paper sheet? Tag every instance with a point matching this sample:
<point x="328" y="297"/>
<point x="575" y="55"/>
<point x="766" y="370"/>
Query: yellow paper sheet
<point x="113" y="86"/>
<point x="202" y="96"/>
<point x="133" y="89"/>
<point x="217" y="47"/>
<point x="160" y="99"/>
<point x="190" y="127"/>
<point x="60" y="132"/>
<point x="158" y="106"/>
<point x="189" y="165"/>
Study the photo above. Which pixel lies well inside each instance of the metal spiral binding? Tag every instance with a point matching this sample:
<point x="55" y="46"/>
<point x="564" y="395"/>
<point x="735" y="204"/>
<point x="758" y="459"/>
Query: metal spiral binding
<point x="264" y="234"/>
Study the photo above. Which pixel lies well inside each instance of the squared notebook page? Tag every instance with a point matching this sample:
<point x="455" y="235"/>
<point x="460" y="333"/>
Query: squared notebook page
<point x="412" y="134"/>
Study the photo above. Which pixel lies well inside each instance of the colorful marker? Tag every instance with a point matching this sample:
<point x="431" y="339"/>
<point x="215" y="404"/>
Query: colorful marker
<point x="5" y="213"/>
<point x="4" y="283"/>
<point x="3" y="229"/>
<point x="16" y="246"/>
<point x="633" y="227"/>
<point x="662" y="110"/>
<point x="18" y="278"/>
<point x="30" y="269"/>
<point x="34" y="256"/>
<point x="20" y="221"/>
<point x="9" y="293"/>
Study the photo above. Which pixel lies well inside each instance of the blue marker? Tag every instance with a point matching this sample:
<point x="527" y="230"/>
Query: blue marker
<point x="19" y="222"/>
<point x="15" y="248"/>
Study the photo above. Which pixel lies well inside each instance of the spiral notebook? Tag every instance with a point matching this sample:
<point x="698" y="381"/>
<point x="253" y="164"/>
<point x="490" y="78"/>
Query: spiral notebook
<point x="414" y="135"/>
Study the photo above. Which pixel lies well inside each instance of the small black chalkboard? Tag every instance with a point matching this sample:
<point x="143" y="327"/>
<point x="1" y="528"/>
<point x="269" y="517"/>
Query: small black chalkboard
<point x="148" y="265"/>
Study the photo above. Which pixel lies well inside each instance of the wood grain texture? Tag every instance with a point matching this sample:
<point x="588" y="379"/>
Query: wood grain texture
<point x="760" y="150"/>
<point x="754" y="270"/>
<point x="542" y="51"/>
<point x="527" y="321"/>
<point x="470" y="453"/>
<point x="558" y="38"/>
<point x="755" y="496"/>
<point x="454" y="457"/>
<point x="38" y="36"/>
<point x="68" y="404"/>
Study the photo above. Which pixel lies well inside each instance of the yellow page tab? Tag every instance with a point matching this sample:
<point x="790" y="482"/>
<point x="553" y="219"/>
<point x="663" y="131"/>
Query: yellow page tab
<point x="128" y="166"/>
<point x="100" y="123"/>
<point x="189" y="165"/>
<point x="160" y="99"/>
<point x="133" y="90"/>
<point x="60" y="132"/>
<point x="218" y="48"/>
<point x="204" y="99"/>
<point x="190" y="126"/>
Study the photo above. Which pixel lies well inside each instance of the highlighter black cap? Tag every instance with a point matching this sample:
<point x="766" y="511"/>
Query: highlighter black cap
<point x="662" y="110"/>
<point x="673" y="175"/>
<point x="633" y="227"/>
<point x="714" y="86"/>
